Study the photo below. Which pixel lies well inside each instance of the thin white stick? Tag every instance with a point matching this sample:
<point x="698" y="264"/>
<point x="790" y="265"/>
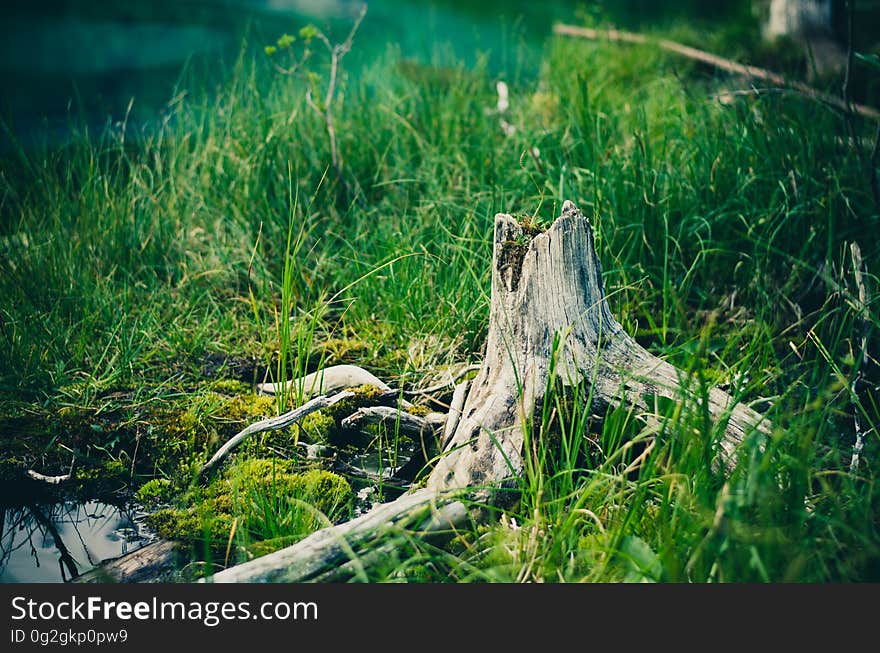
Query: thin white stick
<point x="52" y="480"/>
<point x="273" y="424"/>
<point x="859" y="445"/>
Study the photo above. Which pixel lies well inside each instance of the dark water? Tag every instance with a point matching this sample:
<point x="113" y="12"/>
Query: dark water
<point x="84" y="61"/>
<point x="53" y="543"/>
<point x="88" y="63"/>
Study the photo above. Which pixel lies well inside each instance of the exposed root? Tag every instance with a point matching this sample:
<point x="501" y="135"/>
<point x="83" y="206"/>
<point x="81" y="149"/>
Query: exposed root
<point x="325" y="381"/>
<point x="408" y="424"/>
<point x="455" y="408"/>
<point x="273" y="424"/>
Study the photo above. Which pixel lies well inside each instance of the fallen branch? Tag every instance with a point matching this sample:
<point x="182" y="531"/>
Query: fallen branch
<point x="150" y="563"/>
<point x="349" y="547"/>
<point x="423" y="430"/>
<point x="273" y="424"/>
<point x="751" y="72"/>
<point x="52" y="480"/>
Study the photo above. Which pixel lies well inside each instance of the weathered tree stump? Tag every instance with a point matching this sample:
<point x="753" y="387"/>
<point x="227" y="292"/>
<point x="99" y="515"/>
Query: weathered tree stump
<point x="549" y="323"/>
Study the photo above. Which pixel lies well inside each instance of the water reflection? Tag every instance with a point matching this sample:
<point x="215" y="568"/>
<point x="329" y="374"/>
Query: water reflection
<point x="51" y="543"/>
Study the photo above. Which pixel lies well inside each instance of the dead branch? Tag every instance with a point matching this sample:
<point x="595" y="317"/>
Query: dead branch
<point x="407" y="423"/>
<point x="348" y="545"/>
<point x="861" y="356"/>
<point x="51" y="480"/>
<point x="733" y="67"/>
<point x="149" y="563"/>
<point x="273" y="424"/>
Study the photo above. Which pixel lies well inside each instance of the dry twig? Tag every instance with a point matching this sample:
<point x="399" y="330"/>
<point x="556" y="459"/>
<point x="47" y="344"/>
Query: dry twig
<point x="751" y="72"/>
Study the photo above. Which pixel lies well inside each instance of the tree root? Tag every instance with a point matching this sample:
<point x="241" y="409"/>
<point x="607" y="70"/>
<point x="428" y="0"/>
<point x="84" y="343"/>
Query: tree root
<point x="326" y="380"/>
<point x="273" y="424"/>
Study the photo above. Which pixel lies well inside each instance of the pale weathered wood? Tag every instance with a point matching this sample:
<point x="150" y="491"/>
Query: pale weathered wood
<point x="454" y="415"/>
<point x="273" y="424"/>
<point x="325" y="381"/>
<point x="552" y="289"/>
<point x="860" y="272"/>
<point x="150" y="563"/>
<point x="549" y="323"/>
<point x="392" y="418"/>
<point x="422" y="512"/>
<point x="51" y="480"/>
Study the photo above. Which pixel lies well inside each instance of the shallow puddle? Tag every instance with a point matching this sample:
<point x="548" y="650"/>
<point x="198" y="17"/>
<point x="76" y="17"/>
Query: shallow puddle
<point x="53" y="543"/>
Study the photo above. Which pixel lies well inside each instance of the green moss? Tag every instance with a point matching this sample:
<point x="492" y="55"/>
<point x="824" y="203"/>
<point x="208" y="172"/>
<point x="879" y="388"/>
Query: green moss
<point x="231" y="387"/>
<point x="418" y="411"/>
<point x="155" y="492"/>
<point x="260" y="475"/>
<point x="193" y="526"/>
<point x="244" y="408"/>
<point x="337" y="350"/>
<point x="183" y="435"/>
<point x="253" y="482"/>
<point x="263" y="547"/>
<point x="327" y="492"/>
<point x="316" y="427"/>
<point x="178" y="436"/>
<point x="267" y="499"/>
<point x="102" y="478"/>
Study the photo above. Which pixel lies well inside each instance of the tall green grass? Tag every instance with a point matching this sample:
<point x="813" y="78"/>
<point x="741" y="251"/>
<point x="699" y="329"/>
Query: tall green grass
<point x="723" y="232"/>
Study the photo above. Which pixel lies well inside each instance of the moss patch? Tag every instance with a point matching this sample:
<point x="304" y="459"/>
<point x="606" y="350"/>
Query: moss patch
<point x="97" y="445"/>
<point x="155" y="492"/>
<point x="418" y="410"/>
<point x="261" y="499"/>
<point x="104" y="478"/>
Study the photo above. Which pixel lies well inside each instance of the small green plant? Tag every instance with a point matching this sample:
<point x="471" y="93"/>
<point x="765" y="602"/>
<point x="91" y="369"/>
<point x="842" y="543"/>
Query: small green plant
<point x="321" y="100"/>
